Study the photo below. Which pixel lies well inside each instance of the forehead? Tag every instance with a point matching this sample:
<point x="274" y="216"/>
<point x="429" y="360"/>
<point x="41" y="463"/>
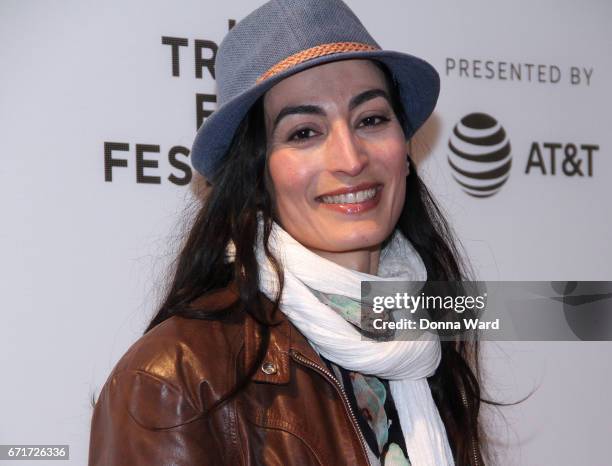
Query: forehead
<point x="337" y="80"/>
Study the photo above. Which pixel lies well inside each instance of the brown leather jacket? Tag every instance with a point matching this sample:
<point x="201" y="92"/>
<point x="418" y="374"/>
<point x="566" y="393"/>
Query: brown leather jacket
<point x="293" y="413"/>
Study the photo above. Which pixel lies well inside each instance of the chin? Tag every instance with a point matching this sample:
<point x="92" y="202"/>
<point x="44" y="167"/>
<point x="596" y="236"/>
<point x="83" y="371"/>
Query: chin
<point x="357" y="240"/>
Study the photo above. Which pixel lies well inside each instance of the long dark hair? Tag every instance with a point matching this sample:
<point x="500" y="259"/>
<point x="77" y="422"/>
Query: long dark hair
<point x="235" y="194"/>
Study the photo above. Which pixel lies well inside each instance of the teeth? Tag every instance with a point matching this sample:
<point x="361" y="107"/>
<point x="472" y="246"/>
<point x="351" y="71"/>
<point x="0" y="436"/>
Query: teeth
<point x="350" y="198"/>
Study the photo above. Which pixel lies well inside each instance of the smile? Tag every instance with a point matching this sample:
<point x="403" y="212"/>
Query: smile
<point x="351" y="198"/>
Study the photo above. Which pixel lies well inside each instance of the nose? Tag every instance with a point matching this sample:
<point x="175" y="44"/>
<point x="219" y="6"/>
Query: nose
<point x="345" y="153"/>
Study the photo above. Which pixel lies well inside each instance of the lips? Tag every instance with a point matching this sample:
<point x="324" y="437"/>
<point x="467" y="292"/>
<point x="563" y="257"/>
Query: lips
<point x="352" y="200"/>
<point x="350" y="189"/>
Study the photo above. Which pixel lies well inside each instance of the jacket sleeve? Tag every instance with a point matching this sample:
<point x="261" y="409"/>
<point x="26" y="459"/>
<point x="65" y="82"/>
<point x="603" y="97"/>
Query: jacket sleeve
<point x="141" y="419"/>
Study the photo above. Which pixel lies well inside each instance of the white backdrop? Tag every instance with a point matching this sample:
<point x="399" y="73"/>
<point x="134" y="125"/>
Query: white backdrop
<point x="82" y="258"/>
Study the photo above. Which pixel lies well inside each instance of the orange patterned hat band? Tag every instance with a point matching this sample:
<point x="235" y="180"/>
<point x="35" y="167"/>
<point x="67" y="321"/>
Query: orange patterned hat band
<point x="315" y="52"/>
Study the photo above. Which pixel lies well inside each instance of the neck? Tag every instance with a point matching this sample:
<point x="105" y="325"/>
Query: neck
<point x="361" y="260"/>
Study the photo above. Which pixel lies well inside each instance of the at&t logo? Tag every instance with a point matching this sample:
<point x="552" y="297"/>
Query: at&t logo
<point x="479" y="155"/>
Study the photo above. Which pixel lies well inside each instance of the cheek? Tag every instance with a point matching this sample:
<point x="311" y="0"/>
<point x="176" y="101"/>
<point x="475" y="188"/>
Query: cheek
<point x="391" y="147"/>
<point x="290" y="181"/>
<point x="393" y="157"/>
<point x="398" y="163"/>
<point x="393" y="163"/>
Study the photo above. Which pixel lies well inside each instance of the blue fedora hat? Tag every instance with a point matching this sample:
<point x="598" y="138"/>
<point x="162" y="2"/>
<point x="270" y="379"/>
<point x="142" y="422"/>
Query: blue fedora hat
<point x="283" y="37"/>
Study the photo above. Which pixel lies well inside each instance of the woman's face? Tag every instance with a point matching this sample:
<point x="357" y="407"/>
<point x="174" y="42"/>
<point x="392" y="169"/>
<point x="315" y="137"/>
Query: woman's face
<point x="336" y="156"/>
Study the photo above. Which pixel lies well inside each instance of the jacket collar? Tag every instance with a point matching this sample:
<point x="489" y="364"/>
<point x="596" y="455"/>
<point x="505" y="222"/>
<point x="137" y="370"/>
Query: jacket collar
<point x="284" y="337"/>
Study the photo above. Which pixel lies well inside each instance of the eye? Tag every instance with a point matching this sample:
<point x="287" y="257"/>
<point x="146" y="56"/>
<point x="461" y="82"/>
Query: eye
<point x="374" y="120"/>
<point x="301" y="134"/>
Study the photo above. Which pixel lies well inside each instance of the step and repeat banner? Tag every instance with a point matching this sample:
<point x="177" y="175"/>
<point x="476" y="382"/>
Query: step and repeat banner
<point x="99" y="105"/>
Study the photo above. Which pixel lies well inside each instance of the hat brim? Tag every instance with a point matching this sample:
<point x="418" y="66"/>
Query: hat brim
<point x="419" y="87"/>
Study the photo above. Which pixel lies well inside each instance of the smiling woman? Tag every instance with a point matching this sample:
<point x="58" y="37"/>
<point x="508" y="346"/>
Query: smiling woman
<point x="337" y="159"/>
<point x="257" y="355"/>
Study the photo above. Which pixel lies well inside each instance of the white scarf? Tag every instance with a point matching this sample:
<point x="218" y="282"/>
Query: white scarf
<point x="406" y="364"/>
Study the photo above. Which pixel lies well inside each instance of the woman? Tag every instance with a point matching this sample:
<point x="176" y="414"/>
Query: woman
<point x="256" y="355"/>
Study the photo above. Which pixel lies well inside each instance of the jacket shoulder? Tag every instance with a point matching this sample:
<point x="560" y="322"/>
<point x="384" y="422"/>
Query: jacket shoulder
<point x="180" y="344"/>
<point x="180" y="367"/>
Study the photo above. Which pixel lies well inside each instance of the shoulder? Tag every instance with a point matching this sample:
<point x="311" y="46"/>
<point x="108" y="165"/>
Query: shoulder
<point x="173" y="372"/>
<point x="180" y="344"/>
<point x="154" y="398"/>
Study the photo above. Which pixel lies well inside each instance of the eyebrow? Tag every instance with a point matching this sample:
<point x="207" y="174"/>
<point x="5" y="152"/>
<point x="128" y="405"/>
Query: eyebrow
<point x="316" y="110"/>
